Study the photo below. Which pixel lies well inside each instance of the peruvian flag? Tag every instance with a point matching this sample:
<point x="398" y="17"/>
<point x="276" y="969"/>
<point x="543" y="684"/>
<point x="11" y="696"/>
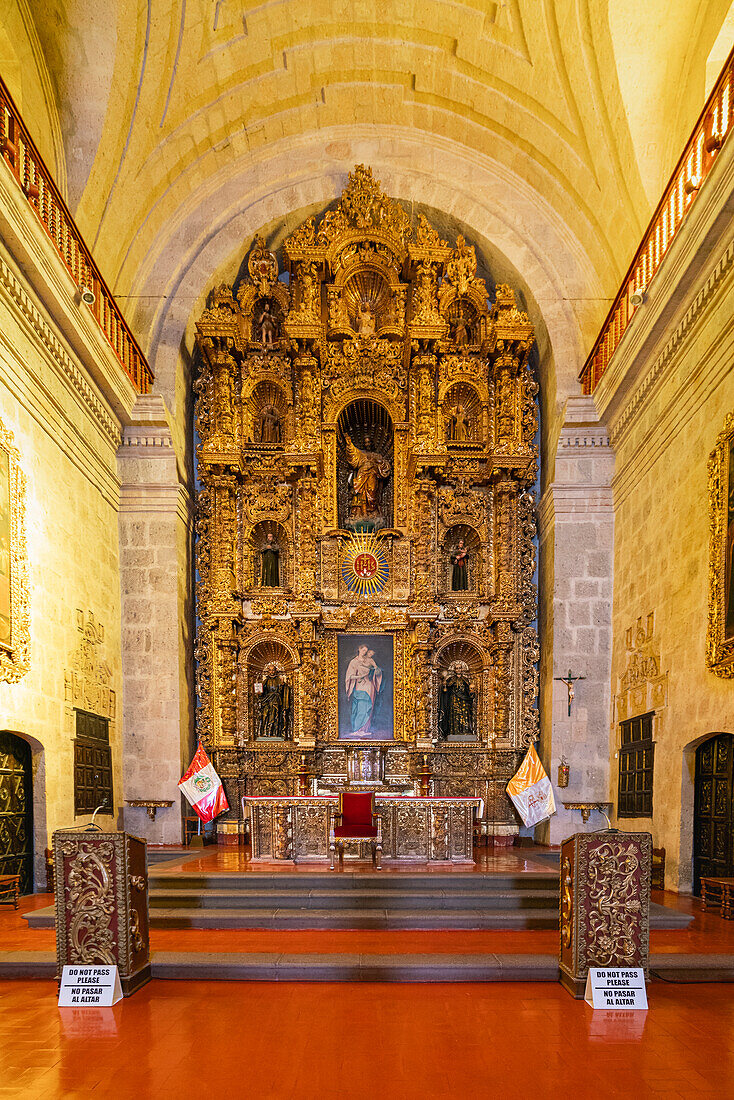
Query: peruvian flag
<point x="530" y="790"/>
<point x="202" y="787"/>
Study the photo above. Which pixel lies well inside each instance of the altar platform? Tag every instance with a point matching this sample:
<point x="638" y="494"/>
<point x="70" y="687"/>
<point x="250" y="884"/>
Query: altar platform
<point x="223" y="888"/>
<point x="686" y="944"/>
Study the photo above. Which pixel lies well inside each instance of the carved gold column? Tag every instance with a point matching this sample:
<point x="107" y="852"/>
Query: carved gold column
<point x="421" y="654"/>
<point x="422" y="533"/>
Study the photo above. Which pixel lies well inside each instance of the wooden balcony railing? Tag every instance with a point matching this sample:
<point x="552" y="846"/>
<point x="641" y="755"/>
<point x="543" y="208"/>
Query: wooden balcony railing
<point x="25" y="162"/>
<point x="711" y="131"/>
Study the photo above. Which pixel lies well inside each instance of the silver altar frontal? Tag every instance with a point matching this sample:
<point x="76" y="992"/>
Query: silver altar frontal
<point x="414" y="829"/>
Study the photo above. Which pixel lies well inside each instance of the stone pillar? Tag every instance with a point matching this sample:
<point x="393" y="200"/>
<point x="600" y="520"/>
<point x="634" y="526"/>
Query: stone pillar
<point x="157" y="621"/>
<point x="576" y="528"/>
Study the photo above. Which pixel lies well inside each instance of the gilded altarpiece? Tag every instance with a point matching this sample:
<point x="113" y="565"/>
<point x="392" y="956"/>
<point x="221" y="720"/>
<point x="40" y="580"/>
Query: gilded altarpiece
<point x="366" y="425"/>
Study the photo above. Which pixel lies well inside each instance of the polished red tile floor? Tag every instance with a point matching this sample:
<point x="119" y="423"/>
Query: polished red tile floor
<point x="299" y="1040"/>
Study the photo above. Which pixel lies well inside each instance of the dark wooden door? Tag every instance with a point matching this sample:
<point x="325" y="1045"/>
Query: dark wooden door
<point x="16" y="810"/>
<point x="713" y="834"/>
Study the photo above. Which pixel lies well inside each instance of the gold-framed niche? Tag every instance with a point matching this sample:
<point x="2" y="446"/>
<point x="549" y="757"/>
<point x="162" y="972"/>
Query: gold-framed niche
<point x="15" y="640"/>
<point x="368" y="391"/>
<point x="720" y="634"/>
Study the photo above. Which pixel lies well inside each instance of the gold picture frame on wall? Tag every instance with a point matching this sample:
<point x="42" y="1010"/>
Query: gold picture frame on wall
<point x="720" y="640"/>
<point x="14" y="588"/>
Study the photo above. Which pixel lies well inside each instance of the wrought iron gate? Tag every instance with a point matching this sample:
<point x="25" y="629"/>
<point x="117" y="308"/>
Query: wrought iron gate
<point x="16" y="810"/>
<point x="713" y="828"/>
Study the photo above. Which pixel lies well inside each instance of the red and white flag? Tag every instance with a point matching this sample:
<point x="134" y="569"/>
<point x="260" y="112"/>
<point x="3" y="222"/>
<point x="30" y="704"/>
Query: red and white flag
<point x="201" y="785"/>
<point x="530" y="790"/>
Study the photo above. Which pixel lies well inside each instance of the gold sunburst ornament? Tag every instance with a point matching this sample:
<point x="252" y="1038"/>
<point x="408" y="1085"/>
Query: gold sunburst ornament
<point x="365" y="567"/>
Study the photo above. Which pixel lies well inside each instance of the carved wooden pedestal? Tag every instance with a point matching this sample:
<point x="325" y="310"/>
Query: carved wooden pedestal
<point x="102" y="904"/>
<point x="605" y="904"/>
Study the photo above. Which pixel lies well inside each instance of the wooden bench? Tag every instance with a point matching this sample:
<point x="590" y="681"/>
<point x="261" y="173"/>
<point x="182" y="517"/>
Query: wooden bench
<point x="10" y="889"/>
<point x="718" y="891"/>
<point x="657" y="870"/>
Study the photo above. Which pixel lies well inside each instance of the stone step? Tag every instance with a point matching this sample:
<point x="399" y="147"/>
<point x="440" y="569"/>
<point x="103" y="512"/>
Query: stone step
<point x="355" y="899"/>
<point x="345" y="882"/>
<point x="355" y="968"/>
<point x="419" y="918"/>
<point x="434" y="967"/>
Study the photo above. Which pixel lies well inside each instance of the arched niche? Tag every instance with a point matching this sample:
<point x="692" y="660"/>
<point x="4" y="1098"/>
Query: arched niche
<point x="267" y="533"/>
<point x="457" y="533"/>
<point x="369" y="426"/>
<point x="464" y="416"/>
<point x="268" y="415"/>
<point x="267" y="319"/>
<point x="271" y="671"/>
<point x="459" y="661"/>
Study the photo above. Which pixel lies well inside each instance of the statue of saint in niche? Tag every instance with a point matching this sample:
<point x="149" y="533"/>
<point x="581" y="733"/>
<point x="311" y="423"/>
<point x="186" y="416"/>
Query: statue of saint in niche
<point x="461" y="332"/>
<point x="365" y="319"/>
<point x="370" y="471"/>
<point x="270" y="426"/>
<point x="267" y="327"/>
<point x="270" y="564"/>
<point x="456" y="708"/>
<point x="274" y="710"/>
<point x="460" y="568"/>
<point x="459" y="428"/>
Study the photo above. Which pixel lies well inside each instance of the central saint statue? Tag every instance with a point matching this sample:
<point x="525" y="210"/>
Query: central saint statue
<point x="370" y="472"/>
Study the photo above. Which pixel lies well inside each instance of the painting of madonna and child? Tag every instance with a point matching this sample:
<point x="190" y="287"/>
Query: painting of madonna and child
<point x="365" y="687"/>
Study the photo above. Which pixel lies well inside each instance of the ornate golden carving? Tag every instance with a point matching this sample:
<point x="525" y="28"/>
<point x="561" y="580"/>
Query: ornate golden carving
<point x="720" y="636"/>
<point x="90" y="903"/>
<point x="383" y="327"/>
<point x="15" y="621"/>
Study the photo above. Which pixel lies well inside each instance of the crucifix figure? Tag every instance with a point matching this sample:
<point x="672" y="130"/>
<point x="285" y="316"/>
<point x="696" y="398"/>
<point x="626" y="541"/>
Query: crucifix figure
<point x="569" y="681"/>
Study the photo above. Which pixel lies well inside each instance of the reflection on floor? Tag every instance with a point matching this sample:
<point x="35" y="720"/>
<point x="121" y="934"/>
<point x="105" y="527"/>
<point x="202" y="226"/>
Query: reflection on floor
<point x="429" y="1042"/>
<point x="236" y="860"/>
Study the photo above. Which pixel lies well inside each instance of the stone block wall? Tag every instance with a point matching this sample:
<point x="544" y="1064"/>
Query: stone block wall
<point x="157" y="624"/>
<point x="663" y="431"/>
<point x="67" y="436"/>
<point x="576" y="523"/>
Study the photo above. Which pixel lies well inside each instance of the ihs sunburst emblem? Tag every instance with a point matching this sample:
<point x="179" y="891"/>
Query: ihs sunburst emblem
<point x="364" y="564"/>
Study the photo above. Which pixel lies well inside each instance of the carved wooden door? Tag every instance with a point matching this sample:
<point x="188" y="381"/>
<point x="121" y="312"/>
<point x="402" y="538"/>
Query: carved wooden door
<point x="713" y="831"/>
<point x="16" y="810"/>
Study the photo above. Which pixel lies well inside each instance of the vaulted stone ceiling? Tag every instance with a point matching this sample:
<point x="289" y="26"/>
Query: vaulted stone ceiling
<point x="546" y="126"/>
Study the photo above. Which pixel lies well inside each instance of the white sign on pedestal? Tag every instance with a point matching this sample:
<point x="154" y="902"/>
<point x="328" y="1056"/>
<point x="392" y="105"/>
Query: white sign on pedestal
<point x="89" y="987"/>
<point x="616" y="987"/>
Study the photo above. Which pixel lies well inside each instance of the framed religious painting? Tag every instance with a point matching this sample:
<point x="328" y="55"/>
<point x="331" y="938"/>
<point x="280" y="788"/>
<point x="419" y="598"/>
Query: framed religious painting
<point x="366" y="687"/>
<point x="14" y="594"/>
<point x="720" y="641"/>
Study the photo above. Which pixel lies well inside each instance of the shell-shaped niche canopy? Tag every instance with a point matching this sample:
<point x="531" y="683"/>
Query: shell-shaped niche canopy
<point x="267" y="414"/>
<point x="366" y="295"/>
<point x="459" y="655"/>
<point x="364" y="421"/>
<point x="462" y="414"/>
<point x="270" y="654"/>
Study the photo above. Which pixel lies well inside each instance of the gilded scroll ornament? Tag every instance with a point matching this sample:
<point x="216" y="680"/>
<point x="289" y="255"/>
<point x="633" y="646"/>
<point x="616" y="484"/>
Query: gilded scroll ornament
<point x="15" y="633"/>
<point x="720" y="636"/>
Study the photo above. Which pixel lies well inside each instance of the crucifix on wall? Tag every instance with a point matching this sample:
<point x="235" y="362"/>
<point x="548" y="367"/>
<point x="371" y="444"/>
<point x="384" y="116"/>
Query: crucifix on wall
<point x="569" y="681"/>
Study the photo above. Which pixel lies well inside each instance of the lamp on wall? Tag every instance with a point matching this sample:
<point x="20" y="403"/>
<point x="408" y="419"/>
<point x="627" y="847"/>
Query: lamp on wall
<point x="563" y="772"/>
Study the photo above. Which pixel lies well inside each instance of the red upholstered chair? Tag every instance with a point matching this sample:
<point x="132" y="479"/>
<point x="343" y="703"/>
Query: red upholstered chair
<point x="356" y="819"/>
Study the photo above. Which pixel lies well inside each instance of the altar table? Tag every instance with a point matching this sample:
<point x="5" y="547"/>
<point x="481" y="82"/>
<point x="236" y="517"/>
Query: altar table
<point x="414" y="828"/>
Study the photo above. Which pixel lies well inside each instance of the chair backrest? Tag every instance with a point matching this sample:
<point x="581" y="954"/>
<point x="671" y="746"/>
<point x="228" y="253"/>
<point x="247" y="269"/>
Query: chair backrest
<point x="357" y="808"/>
